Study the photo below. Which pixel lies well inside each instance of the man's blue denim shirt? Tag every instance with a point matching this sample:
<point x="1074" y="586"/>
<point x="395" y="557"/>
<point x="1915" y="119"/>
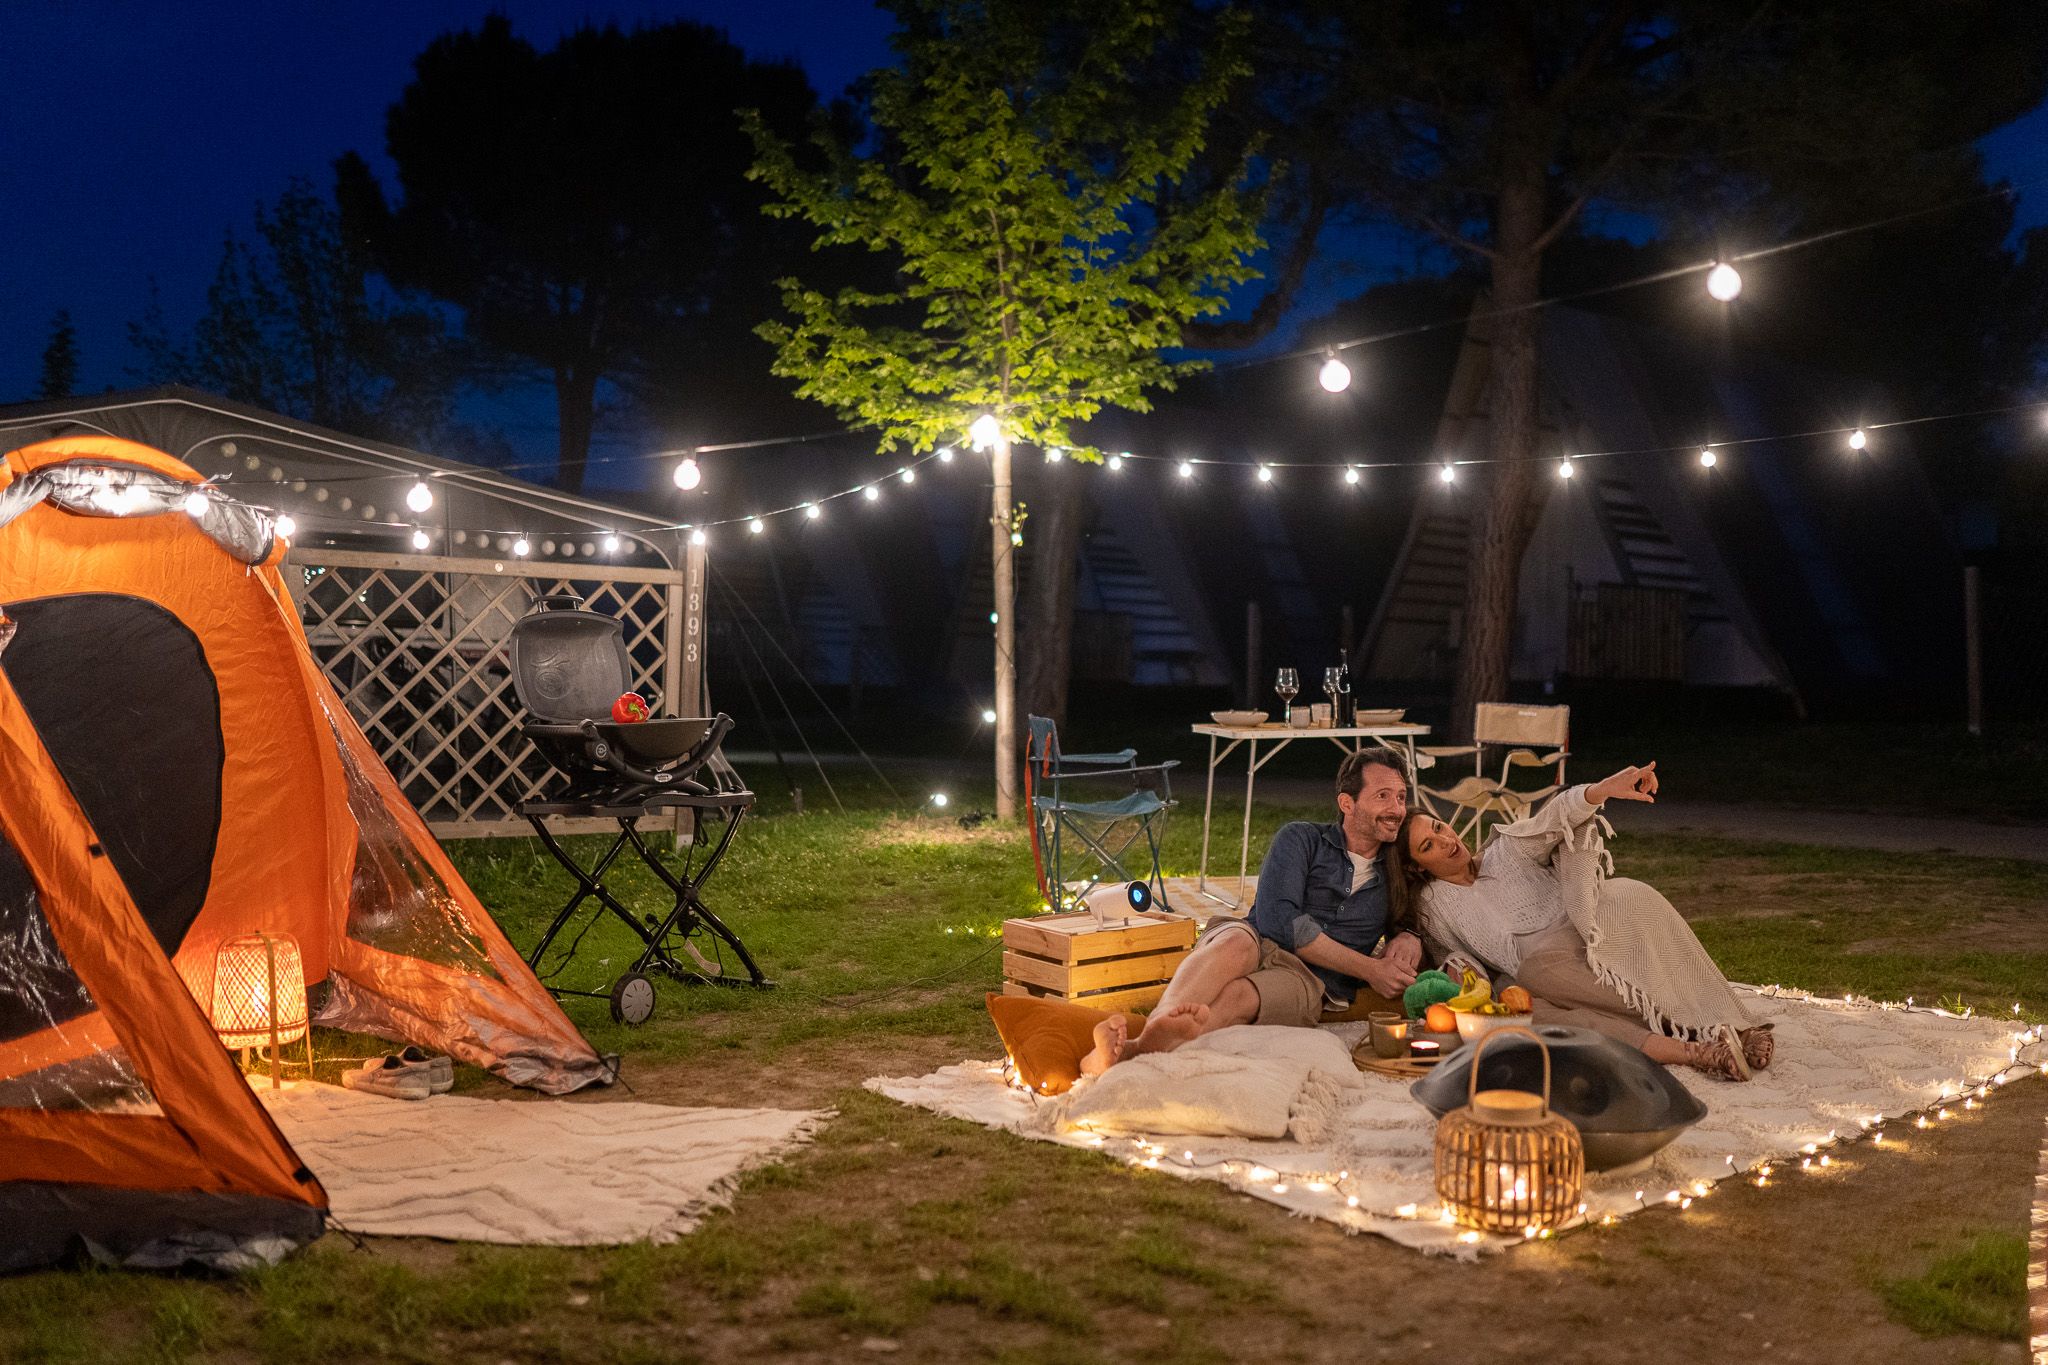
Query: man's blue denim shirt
<point x="1305" y="891"/>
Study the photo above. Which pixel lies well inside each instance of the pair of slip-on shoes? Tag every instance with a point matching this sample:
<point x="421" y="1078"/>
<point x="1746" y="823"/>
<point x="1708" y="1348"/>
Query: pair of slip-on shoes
<point x="407" y="1075"/>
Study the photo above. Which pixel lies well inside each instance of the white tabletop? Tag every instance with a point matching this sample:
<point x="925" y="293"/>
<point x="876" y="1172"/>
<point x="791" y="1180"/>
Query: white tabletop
<point x="1276" y="730"/>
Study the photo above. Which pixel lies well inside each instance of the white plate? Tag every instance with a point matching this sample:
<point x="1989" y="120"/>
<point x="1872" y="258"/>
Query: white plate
<point x="1238" y="717"/>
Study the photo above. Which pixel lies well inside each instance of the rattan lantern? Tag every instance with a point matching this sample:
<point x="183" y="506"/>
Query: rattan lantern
<point x="1505" y="1162"/>
<point x="259" y="995"/>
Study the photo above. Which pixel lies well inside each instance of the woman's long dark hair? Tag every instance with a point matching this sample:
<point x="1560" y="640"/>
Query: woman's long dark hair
<point x="1405" y="879"/>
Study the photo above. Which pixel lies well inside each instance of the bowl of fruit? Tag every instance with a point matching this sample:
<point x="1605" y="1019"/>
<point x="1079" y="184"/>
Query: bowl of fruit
<point x="1513" y="1009"/>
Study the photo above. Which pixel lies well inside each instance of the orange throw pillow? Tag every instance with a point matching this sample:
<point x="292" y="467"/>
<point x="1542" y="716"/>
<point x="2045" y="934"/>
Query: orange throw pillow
<point x="1046" y="1038"/>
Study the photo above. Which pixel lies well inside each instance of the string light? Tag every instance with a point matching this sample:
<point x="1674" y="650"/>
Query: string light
<point x="1335" y="376"/>
<point x="1265" y="473"/>
<point x="757" y="526"/>
<point x="1708" y="458"/>
<point x="939" y="800"/>
<point x="697" y="537"/>
<point x="196" y="504"/>
<point x="688" y="475"/>
<point x="812" y="511"/>
<point x="611" y="545"/>
<point x="1564" y="469"/>
<point x="988" y="715"/>
<point x="419" y="497"/>
<point x="1187" y="469"/>
<point x="420" y="540"/>
<point x="985" y="432"/>
<point x="520" y="547"/>
<point x="1116" y="462"/>
<point x="1054" y="454"/>
<point x="1857" y="440"/>
<point x="945" y="454"/>
<point x="871" y="493"/>
<point x="1447" y="474"/>
<point x="1351" y="475"/>
<point x="907" y="474"/>
<point x="1724" y="282"/>
<point x="285" y="526"/>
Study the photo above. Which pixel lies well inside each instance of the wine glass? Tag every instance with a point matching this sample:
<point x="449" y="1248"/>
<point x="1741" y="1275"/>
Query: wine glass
<point x="1333" y="683"/>
<point x="1287" y="684"/>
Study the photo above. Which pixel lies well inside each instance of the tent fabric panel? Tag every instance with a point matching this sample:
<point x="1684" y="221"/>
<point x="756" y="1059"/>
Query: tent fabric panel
<point x="123" y="1151"/>
<point x="53" y="1224"/>
<point x="102" y="449"/>
<point x="151" y="708"/>
<point x="38" y="988"/>
<point x="213" y="1114"/>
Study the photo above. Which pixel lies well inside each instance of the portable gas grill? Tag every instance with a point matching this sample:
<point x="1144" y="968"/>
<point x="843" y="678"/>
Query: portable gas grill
<point x="568" y="666"/>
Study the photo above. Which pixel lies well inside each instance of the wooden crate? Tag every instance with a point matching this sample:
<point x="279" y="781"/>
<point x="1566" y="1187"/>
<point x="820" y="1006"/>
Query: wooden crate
<point x="1124" y="966"/>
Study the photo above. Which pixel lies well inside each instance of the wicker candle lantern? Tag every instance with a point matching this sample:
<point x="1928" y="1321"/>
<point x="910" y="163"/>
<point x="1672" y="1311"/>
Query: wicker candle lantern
<point x="259" y="995"/>
<point x="1505" y="1162"/>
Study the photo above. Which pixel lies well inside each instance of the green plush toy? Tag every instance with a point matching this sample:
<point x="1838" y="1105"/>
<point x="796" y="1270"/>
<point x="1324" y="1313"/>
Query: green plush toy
<point x="1430" y="988"/>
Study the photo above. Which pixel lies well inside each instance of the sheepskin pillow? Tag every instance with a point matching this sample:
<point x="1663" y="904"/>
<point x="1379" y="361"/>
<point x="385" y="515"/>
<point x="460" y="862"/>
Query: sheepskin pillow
<point x="1248" y="1081"/>
<point x="1046" y="1039"/>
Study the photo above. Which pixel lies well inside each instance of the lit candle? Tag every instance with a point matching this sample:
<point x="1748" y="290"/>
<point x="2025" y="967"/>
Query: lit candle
<point x="1423" y="1050"/>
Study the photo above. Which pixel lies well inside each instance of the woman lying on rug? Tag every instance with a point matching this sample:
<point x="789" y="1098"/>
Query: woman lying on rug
<point x="1595" y="952"/>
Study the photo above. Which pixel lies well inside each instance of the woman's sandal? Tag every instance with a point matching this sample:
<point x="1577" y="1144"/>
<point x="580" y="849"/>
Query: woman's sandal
<point x="1757" y="1046"/>
<point x="1719" y="1055"/>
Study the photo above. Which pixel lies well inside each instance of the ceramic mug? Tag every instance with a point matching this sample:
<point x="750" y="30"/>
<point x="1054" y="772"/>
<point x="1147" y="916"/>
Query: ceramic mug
<point x="1322" y="714"/>
<point x="1300" y="718"/>
<point x="1389" y="1035"/>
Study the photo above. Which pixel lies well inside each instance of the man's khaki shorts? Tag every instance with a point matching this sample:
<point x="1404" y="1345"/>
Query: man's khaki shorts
<point x="1290" y="992"/>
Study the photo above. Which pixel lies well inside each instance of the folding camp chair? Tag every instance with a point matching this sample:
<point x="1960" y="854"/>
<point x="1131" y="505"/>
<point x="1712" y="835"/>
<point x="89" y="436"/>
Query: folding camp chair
<point x="1105" y="828"/>
<point x="568" y="666"/>
<point x="1472" y="800"/>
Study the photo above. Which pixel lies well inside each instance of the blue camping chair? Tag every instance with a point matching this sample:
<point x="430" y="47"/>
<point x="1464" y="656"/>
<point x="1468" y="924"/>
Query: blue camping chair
<point x="1104" y="828"/>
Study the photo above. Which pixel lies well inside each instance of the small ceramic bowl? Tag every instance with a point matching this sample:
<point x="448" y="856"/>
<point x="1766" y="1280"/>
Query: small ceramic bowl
<point x="1472" y="1025"/>
<point x="1239" y="718"/>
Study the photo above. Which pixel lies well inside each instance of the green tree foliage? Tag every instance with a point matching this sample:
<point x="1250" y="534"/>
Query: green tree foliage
<point x="1494" y="127"/>
<point x="587" y="209"/>
<point x="60" y="358"/>
<point x="1029" y="184"/>
<point x="294" y="321"/>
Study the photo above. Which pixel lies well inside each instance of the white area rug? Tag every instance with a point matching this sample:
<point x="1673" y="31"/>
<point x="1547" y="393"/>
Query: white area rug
<point x="1838" y="1066"/>
<point x="526" y="1172"/>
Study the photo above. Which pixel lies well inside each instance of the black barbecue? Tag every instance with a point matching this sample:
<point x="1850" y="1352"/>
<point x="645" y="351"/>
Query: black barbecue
<point x="568" y="667"/>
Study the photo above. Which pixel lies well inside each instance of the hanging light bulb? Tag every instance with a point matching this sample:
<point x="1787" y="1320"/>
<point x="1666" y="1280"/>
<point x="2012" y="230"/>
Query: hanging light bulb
<point x="1265" y="473"/>
<point x="285" y="526"/>
<point x="907" y="474"/>
<point x="196" y="504"/>
<point x="419" y="539"/>
<point x="988" y="715"/>
<point x="419" y="497"/>
<point x="1448" y="474"/>
<point x="1054" y="454"/>
<point x="697" y="537"/>
<point x="939" y="800"/>
<point x="688" y="475"/>
<point x="812" y="511"/>
<point x="1116" y="462"/>
<point x="1564" y="468"/>
<point x="611" y="545"/>
<point x="1724" y="282"/>
<point x="1335" y="376"/>
<point x="871" y="493"/>
<point x="521" y="548"/>
<point x="1708" y="458"/>
<point x="757" y="526"/>
<point x="985" y="432"/>
<point x="1857" y="440"/>
<point x="1350" y="474"/>
<point x="945" y="454"/>
<point x="1187" y="469"/>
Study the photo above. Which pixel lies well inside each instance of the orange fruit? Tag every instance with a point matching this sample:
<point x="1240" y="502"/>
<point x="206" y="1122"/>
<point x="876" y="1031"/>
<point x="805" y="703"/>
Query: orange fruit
<point x="1517" y="1000"/>
<point x="1440" y="1019"/>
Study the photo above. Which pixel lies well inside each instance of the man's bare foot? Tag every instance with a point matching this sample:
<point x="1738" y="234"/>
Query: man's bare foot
<point x="1111" y="1035"/>
<point x="1169" y="1029"/>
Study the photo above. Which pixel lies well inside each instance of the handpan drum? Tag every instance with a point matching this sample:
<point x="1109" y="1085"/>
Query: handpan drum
<point x="1625" y="1106"/>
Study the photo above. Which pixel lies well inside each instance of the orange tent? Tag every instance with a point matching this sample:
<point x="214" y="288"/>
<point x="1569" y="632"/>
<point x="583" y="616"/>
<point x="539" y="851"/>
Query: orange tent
<point x="176" y="772"/>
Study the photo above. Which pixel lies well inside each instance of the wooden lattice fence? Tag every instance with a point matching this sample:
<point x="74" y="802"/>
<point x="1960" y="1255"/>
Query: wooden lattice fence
<point x="417" y="647"/>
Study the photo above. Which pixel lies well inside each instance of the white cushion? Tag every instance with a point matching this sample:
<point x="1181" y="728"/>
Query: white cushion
<point x="1246" y="1081"/>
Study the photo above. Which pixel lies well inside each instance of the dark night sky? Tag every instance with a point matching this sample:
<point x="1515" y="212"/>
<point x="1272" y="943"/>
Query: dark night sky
<point x="138" y="132"/>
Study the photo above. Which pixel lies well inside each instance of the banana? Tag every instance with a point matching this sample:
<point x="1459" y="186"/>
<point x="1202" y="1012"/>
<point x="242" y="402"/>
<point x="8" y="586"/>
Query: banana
<point x="1476" y="992"/>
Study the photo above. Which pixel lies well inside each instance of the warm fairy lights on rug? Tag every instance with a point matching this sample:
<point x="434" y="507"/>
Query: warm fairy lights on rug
<point x="1814" y="1157"/>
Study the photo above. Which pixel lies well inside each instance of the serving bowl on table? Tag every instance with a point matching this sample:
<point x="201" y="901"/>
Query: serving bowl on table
<point x="1625" y="1106"/>
<point x="1379" y="716"/>
<point x="1238" y="718"/>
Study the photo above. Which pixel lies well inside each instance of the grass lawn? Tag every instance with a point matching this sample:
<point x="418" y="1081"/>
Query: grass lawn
<point x="898" y="1233"/>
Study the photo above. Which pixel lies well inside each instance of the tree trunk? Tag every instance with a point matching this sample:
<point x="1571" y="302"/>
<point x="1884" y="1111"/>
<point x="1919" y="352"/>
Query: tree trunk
<point x="1060" y="508"/>
<point x="1502" y="528"/>
<point x="1005" y="563"/>
<point x="575" y="415"/>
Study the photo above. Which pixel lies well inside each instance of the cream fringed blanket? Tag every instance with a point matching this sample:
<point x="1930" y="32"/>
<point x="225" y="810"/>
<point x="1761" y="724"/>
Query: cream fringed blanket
<point x="527" y="1172"/>
<point x="1837" y="1066"/>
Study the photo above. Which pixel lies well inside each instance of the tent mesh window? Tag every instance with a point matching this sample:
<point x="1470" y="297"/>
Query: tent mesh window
<point x="55" y="1049"/>
<point x="417" y="651"/>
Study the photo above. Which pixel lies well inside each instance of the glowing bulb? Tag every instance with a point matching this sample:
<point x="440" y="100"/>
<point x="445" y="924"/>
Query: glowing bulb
<point x="520" y="547"/>
<point x="1335" y="376"/>
<point x="1187" y="469"/>
<point x="1707" y="459"/>
<point x="993" y="618"/>
<point x="697" y="537"/>
<point x="1447" y="474"/>
<point x="988" y="716"/>
<point x="945" y="454"/>
<point x="688" y="475"/>
<point x="1054" y="454"/>
<point x="1116" y="462"/>
<point x="1724" y="282"/>
<point x="907" y="474"/>
<point x="611" y="545"/>
<point x="812" y="511"/>
<point x="195" y="504"/>
<point x="419" y="539"/>
<point x="938" y="799"/>
<point x="985" y="432"/>
<point x="757" y="526"/>
<point x="419" y="497"/>
<point x="871" y="493"/>
<point x="1350" y="475"/>
<point x="1564" y="469"/>
<point x="286" y="527"/>
<point x="1857" y="440"/>
<point x="1265" y="474"/>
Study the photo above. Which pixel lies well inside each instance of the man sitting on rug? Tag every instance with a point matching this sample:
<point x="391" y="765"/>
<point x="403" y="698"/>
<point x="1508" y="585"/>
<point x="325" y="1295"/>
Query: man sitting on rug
<point x="1320" y="913"/>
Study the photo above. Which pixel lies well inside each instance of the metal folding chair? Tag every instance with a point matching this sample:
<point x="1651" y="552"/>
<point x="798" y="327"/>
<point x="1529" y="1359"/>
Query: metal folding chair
<point x="1476" y="798"/>
<point x="568" y="665"/>
<point x="1107" y="829"/>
